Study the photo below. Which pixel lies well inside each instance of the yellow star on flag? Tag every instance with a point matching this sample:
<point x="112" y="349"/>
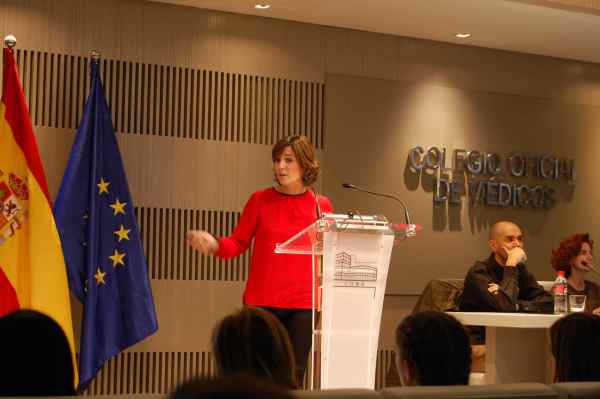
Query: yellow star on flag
<point x="117" y="258"/>
<point x="123" y="233"/>
<point x="99" y="276"/>
<point x="119" y="207"/>
<point x="103" y="186"/>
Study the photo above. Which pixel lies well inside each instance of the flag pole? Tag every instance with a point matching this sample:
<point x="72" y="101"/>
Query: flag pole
<point x="10" y="41"/>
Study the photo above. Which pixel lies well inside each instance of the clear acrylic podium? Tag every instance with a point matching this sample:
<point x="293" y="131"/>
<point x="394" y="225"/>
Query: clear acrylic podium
<point x="348" y="292"/>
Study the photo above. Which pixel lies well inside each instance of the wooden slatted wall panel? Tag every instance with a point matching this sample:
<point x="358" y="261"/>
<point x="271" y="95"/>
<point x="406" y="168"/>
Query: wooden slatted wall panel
<point x="164" y="100"/>
<point x="163" y="233"/>
<point x="385" y="360"/>
<point x="150" y="372"/>
<point x="161" y="372"/>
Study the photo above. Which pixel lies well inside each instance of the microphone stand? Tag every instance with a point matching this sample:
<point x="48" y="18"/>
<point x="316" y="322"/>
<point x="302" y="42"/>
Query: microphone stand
<point x="411" y="228"/>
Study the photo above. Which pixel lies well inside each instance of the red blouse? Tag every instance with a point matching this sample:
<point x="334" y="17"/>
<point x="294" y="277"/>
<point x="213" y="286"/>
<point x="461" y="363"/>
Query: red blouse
<point x="270" y="217"/>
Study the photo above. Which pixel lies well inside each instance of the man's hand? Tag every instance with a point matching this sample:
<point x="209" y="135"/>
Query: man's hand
<point x="596" y="311"/>
<point x="493" y="288"/>
<point x="515" y="256"/>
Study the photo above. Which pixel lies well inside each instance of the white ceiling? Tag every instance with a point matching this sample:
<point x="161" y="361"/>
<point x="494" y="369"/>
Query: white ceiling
<point x="518" y="25"/>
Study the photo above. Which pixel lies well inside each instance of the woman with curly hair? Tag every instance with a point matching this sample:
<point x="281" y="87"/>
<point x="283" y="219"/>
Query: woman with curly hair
<point x="574" y="257"/>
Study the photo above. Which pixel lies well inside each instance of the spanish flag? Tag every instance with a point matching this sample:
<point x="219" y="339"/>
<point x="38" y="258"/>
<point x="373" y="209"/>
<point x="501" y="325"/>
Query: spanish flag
<point x="32" y="268"/>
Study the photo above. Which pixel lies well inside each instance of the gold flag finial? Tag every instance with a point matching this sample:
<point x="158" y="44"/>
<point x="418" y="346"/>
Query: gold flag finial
<point x="95" y="55"/>
<point x="10" y="41"/>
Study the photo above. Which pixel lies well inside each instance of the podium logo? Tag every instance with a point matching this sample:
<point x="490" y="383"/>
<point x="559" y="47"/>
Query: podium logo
<point x="347" y="268"/>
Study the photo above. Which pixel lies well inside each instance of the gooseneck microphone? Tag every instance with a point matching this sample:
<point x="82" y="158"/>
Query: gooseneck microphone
<point x="316" y="195"/>
<point x="591" y="266"/>
<point x="354" y="187"/>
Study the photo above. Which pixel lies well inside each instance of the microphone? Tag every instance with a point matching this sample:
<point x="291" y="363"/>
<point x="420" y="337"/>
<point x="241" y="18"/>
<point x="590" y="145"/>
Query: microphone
<point x="316" y="195"/>
<point x="590" y="266"/>
<point x="354" y="187"/>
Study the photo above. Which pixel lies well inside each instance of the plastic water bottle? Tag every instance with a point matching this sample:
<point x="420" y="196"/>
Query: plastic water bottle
<point x="559" y="290"/>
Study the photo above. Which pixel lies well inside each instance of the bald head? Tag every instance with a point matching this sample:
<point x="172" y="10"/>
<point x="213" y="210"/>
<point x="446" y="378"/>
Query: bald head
<point x="504" y="237"/>
<point x="500" y="228"/>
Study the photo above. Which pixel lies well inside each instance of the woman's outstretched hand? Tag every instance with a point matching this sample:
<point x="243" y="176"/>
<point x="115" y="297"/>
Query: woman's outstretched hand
<point x="202" y="241"/>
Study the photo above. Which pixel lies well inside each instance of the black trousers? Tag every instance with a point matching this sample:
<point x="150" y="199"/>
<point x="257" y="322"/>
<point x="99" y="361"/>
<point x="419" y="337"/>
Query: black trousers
<point x="298" y="323"/>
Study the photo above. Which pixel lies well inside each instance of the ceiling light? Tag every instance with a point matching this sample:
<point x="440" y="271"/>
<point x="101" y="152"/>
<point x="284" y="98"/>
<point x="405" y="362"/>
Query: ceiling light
<point x="262" y="6"/>
<point x="463" y="35"/>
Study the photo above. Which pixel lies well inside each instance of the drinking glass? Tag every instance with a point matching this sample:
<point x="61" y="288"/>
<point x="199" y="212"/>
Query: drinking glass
<point x="576" y="303"/>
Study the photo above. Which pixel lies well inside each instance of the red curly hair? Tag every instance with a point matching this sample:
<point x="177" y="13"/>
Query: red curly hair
<point x="567" y="250"/>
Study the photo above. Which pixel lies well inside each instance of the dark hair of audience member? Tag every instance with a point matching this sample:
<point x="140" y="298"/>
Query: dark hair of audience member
<point x="236" y="387"/>
<point x="575" y="341"/>
<point x="253" y="342"/>
<point x="35" y="358"/>
<point x="435" y="347"/>
<point x="568" y="249"/>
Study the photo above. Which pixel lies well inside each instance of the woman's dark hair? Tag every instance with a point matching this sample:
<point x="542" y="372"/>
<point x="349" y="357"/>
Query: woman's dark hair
<point x="305" y="154"/>
<point x="229" y="388"/>
<point x="575" y="341"/>
<point x="567" y="250"/>
<point x="254" y="342"/>
<point x="36" y="357"/>
<point x="437" y="346"/>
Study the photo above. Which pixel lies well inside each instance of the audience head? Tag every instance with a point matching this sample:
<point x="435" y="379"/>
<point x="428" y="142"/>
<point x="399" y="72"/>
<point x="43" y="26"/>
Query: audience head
<point x="36" y="357"/>
<point x="253" y="342"/>
<point x="505" y="235"/>
<point x="238" y="387"/>
<point x="575" y="341"/>
<point x="573" y="253"/>
<point x="433" y="349"/>
<point x="304" y="152"/>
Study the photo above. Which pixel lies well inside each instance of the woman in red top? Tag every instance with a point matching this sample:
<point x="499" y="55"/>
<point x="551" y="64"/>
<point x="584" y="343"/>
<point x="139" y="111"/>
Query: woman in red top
<point x="278" y="283"/>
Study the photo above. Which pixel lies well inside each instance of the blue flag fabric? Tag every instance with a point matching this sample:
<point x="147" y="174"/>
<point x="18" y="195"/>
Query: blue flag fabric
<point x="101" y="242"/>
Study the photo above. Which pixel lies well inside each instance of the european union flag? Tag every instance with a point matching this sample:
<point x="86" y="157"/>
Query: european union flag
<point x="101" y="242"/>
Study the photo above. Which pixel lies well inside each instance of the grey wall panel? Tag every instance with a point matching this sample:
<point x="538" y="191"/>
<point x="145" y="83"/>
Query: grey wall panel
<point x="396" y="116"/>
<point x="379" y="56"/>
<point x="149" y="32"/>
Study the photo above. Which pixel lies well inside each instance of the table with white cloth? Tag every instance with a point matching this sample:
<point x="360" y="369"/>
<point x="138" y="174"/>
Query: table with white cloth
<point x="517" y="345"/>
